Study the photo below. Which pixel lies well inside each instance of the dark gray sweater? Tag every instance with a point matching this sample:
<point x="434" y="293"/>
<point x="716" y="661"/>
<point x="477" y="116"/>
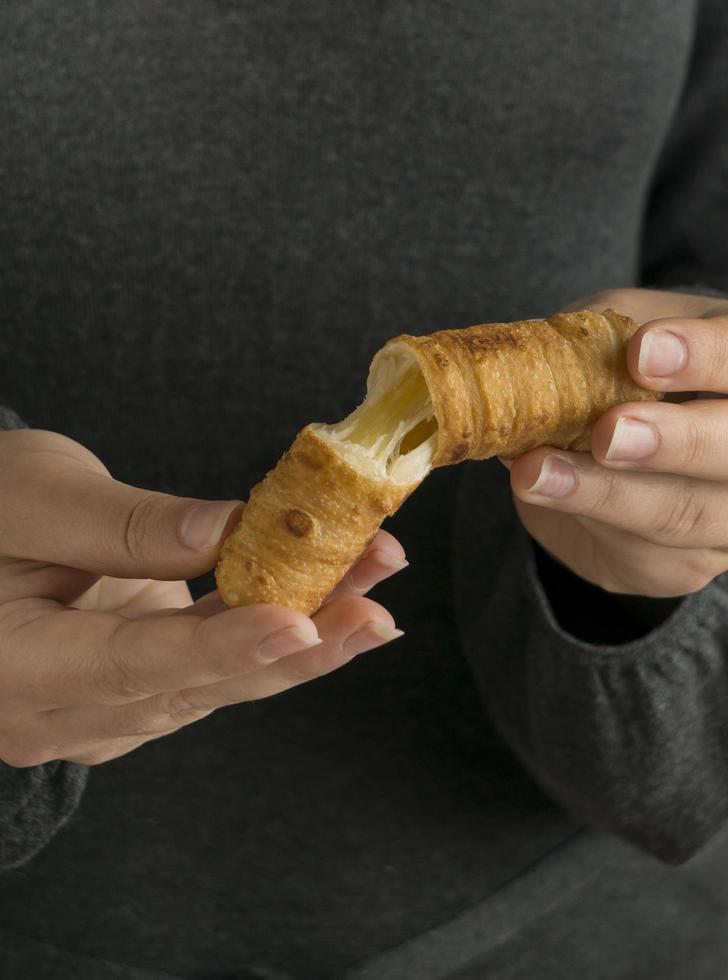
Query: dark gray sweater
<point x="213" y="212"/>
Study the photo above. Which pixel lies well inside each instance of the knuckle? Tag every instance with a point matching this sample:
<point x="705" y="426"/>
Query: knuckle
<point x="683" y="518"/>
<point x="179" y="709"/>
<point x="220" y="669"/>
<point x="716" y="355"/>
<point x="219" y="658"/>
<point x="113" y="685"/>
<point x="608" y="494"/>
<point x="115" y="681"/>
<point x="694" y="442"/>
<point x="154" y="721"/>
<point x="138" y="535"/>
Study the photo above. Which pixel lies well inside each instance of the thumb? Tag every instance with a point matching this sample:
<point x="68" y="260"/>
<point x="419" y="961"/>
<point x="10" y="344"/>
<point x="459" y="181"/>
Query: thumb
<point x="55" y="508"/>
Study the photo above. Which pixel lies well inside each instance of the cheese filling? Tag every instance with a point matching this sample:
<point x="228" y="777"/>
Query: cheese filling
<point x="393" y="434"/>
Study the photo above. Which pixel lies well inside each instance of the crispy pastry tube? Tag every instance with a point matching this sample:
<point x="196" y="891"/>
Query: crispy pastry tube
<point x="501" y="389"/>
<point x="304" y="526"/>
<point x="494" y="389"/>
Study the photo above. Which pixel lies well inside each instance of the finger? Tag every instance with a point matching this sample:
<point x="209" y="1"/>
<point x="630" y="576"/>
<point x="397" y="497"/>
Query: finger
<point x="74" y="657"/>
<point x="349" y="626"/>
<point x="207" y="605"/>
<point x="646" y="304"/>
<point x="386" y="542"/>
<point x="383" y="557"/>
<point x="681" y="354"/>
<point x="56" y="509"/>
<point x="618" y="561"/>
<point x="661" y="508"/>
<point x="21" y="579"/>
<point x="134" y="597"/>
<point x="690" y="439"/>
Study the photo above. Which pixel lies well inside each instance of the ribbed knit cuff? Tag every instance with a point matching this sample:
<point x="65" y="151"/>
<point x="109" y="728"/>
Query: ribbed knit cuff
<point x="34" y="804"/>
<point x="593" y="615"/>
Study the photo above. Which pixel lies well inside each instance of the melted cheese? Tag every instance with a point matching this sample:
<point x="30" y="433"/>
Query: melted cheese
<point x="393" y="434"/>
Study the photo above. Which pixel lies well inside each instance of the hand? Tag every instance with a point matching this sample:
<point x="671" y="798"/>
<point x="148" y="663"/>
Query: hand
<point x="646" y="512"/>
<point x="92" y="666"/>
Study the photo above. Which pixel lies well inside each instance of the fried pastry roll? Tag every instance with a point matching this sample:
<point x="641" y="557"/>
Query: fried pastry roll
<point x="493" y="389"/>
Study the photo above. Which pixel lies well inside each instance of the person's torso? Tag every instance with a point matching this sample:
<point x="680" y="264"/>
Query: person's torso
<point x="213" y="213"/>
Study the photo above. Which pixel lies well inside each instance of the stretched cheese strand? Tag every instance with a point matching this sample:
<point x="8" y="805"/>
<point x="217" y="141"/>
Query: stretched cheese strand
<point x="493" y="389"/>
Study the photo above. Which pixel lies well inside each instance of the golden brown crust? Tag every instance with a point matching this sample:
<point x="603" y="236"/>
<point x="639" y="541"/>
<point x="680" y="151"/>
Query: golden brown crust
<point x="303" y="527"/>
<point x="500" y="389"/>
<point x="496" y="389"/>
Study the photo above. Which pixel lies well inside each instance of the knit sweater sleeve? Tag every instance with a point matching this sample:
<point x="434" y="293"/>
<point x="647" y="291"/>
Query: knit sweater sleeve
<point x="34" y="802"/>
<point x="629" y="736"/>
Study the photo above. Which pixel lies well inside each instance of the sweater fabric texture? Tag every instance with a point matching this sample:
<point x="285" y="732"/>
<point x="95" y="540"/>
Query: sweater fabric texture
<point x="213" y="213"/>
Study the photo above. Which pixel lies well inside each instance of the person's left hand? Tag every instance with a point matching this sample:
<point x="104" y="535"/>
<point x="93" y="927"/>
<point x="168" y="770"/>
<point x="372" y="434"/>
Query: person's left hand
<point x="646" y="511"/>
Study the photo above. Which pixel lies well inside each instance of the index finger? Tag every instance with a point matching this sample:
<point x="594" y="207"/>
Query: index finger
<point x="682" y="354"/>
<point x="57" y="510"/>
<point x="72" y="657"/>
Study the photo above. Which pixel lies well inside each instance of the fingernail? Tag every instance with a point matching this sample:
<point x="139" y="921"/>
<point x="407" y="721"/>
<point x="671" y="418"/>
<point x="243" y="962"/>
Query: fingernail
<point x="288" y="640"/>
<point x="556" y="479"/>
<point x="661" y="354"/>
<point x="387" y="564"/>
<point x="371" y="634"/>
<point x="632" y="440"/>
<point x="203" y="523"/>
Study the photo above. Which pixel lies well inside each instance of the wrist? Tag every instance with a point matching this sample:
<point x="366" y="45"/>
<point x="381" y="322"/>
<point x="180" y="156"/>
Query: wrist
<point x="592" y="614"/>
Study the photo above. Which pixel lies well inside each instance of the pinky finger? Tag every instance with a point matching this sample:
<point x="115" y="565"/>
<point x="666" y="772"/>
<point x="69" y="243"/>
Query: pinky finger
<point x="383" y="558"/>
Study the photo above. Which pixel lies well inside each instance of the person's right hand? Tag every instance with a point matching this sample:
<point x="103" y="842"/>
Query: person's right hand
<point x="101" y="647"/>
